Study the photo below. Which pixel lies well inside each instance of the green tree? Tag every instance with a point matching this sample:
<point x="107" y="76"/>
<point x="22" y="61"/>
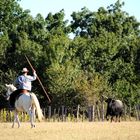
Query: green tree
<point x="111" y="37"/>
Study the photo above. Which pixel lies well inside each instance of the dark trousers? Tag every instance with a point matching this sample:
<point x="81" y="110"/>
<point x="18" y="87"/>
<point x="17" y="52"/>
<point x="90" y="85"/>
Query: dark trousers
<point x="13" y="97"/>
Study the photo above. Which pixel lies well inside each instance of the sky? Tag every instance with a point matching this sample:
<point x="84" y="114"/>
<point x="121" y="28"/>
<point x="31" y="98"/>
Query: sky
<point x="45" y="6"/>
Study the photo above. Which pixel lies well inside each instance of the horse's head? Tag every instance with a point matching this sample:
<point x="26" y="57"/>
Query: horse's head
<point x="10" y="89"/>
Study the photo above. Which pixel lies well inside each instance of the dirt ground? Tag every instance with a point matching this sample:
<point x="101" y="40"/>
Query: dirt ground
<point x="72" y="131"/>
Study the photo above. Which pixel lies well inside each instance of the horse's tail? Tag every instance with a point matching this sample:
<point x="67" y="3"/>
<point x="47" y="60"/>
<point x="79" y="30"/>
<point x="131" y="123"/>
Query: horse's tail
<point x="37" y="105"/>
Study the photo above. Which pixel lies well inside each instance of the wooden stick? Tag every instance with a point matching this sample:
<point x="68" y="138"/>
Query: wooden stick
<point x="38" y="78"/>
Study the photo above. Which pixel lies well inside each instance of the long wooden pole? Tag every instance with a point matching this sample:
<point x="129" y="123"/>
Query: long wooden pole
<point x="38" y="78"/>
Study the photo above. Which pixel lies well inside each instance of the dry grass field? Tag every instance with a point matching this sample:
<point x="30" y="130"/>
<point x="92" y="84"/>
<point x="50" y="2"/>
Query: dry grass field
<point x="72" y="131"/>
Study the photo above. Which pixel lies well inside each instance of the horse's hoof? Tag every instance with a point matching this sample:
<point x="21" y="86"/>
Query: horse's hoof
<point x="32" y="126"/>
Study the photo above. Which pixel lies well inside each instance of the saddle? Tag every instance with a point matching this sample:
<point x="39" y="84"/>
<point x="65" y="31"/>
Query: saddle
<point x="23" y="91"/>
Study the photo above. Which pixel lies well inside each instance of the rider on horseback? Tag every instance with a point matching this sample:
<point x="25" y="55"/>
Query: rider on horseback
<point x="23" y="84"/>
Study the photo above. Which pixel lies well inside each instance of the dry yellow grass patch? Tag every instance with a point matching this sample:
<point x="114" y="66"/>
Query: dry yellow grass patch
<point x="72" y="131"/>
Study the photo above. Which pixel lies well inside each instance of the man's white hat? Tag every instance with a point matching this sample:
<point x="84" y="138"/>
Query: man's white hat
<point x="24" y="70"/>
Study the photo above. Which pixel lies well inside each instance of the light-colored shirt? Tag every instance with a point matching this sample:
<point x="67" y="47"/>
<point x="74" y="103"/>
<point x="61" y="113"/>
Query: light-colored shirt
<point x="24" y="81"/>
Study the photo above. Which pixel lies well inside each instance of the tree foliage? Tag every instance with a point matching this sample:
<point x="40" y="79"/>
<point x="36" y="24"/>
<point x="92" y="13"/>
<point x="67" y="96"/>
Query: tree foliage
<point x="101" y="59"/>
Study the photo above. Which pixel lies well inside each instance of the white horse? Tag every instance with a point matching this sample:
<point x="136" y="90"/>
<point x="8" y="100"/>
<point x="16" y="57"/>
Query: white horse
<point x="27" y="102"/>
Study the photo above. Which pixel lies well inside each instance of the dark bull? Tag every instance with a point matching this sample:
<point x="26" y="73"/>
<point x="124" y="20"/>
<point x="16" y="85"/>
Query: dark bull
<point x="114" y="109"/>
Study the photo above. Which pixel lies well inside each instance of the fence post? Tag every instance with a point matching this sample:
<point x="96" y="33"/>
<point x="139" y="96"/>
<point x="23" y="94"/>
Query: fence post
<point x="130" y="113"/>
<point x="44" y="112"/>
<point x="4" y="115"/>
<point x="98" y="112"/>
<point x="65" y="114"/>
<point x="62" y="113"/>
<point x="137" y="117"/>
<point x="125" y="112"/>
<point x="93" y="112"/>
<point x="21" y="116"/>
<point x="49" y="117"/>
<point x="0" y="115"/>
<point x="58" y="114"/>
<point x="103" y="117"/>
<point x="77" y="113"/>
<point x="54" y="115"/>
<point x="139" y="111"/>
<point x="82" y="114"/>
<point x="90" y="113"/>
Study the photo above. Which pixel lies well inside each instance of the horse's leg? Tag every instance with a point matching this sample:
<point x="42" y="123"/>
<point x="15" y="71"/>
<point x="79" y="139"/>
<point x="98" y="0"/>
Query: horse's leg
<point x="16" y="119"/>
<point x="31" y="117"/>
<point x="33" y="113"/>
